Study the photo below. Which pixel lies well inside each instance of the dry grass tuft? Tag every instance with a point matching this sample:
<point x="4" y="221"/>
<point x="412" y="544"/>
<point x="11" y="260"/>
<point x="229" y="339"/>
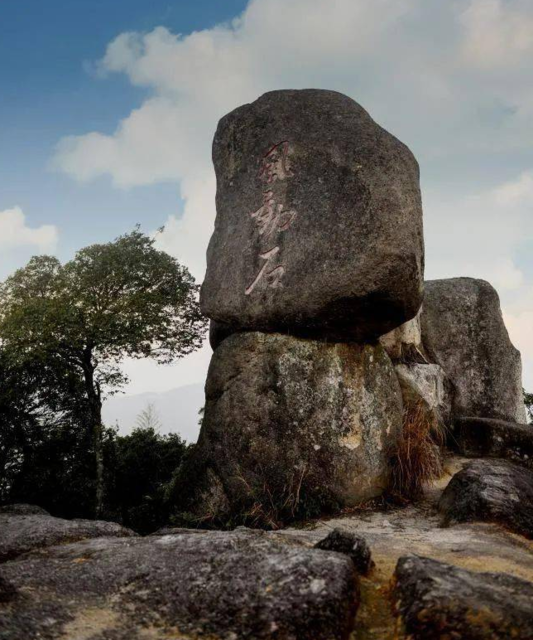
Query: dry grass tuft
<point x="417" y="458"/>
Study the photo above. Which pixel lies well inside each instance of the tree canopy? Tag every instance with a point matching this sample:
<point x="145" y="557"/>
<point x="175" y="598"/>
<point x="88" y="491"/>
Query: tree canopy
<point x="80" y="320"/>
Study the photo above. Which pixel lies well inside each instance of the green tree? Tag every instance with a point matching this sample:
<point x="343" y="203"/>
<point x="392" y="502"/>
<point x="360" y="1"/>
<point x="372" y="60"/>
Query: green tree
<point x="111" y="301"/>
<point x="144" y="463"/>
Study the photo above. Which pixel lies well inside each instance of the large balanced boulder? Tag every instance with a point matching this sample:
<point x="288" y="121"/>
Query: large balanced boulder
<point x="218" y="585"/>
<point x="491" y="491"/>
<point x="437" y="600"/>
<point x="463" y="331"/>
<point x="488" y="437"/>
<point x="26" y="529"/>
<point x="319" y="221"/>
<point x="293" y="427"/>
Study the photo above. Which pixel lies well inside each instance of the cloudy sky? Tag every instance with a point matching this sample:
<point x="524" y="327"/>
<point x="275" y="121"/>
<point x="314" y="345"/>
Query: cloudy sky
<point x="107" y="111"/>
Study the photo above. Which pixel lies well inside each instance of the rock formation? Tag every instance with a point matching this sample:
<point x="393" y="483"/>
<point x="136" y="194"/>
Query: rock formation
<point x="491" y="438"/>
<point x="463" y="331"/>
<point x="319" y="221"/>
<point x="438" y="600"/>
<point x="298" y="419"/>
<point x="317" y="251"/>
<point x="27" y="527"/>
<point x="491" y="491"/>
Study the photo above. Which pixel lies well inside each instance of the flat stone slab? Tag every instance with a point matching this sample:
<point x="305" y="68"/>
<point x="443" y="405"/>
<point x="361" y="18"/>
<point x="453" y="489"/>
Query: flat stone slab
<point x="491" y="491"/>
<point x="438" y="600"/>
<point x="486" y="437"/>
<point x="223" y="585"/>
<point x="22" y="533"/>
<point x="319" y="221"/>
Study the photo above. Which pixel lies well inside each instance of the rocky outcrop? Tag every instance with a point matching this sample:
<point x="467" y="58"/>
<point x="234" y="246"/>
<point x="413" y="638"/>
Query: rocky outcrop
<point x="491" y="491"/>
<point x="429" y="383"/>
<point x="355" y="547"/>
<point x="438" y="600"/>
<point x="404" y="344"/>
<point x="487" y="437"/>
<point x="293" y="424"/>
<point x="217" y="585"/>
<point x="22" y="509"/>
<point x="463" y="331"/>
<point x="22" y="533"/>
<point x="319" y="221"/>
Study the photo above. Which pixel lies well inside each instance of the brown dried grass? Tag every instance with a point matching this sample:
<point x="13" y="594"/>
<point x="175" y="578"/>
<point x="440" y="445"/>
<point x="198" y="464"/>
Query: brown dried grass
<point x="417" y="457"/>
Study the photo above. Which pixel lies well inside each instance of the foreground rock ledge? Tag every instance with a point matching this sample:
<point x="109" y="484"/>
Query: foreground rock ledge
<point x="319" y="221"/>
<point x="222" y="585"/>
<point x="293" y="424"/>
<point x="437" y="600"/>
<point x="22" y="533"/>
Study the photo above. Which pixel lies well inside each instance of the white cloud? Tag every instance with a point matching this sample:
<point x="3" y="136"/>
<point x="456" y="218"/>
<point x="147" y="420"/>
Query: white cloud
<point x="451" y="79"/>
<point x="15" y="233"/>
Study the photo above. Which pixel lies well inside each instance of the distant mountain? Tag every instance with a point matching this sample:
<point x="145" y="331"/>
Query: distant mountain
<point x="176" y="409"/>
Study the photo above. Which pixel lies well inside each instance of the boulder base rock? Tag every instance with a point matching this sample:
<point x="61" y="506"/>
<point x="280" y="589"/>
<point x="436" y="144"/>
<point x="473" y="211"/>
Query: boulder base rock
<point x="491" y="491"/>
<point x="487" y="437"/>
<point x="429" y="383"/>
<point x="217" y="585"/>
<point x="438" y="600"/>
<point x="22" y="533"/>
<point x="463" y="331"/>
<point x="319" y="221"/>
<point x="293" y="427"/>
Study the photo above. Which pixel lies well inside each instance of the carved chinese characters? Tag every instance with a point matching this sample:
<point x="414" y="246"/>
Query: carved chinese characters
<point x="319" y="221"/>
<point x="272" y="217"/>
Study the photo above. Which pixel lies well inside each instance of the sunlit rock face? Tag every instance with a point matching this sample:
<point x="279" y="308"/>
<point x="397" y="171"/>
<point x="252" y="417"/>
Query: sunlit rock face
<point x="319" y="221"/>
<point x="463" y="331"/>
<point x="298" y="420"/>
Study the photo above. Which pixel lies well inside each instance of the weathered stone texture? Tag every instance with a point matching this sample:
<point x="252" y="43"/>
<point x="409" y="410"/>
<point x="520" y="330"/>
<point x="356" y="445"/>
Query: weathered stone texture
<point x="438" y="600"/>
<point x="298" y="420"/>
<point x="22" y="533"/>
<point x="491" y="491"/>
<point x="488" y="437"/>
<point x="355" y="547"/>
<point x="217" y="585"/>
<point x="429" y="383"/>
<point x="404" y="344"/>
<point x="463" y="331"/>
<point x="319" y="221"/>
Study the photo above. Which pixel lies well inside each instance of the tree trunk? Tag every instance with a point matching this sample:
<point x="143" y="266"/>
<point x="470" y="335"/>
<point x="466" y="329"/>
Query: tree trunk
<point x="97" y="428"/>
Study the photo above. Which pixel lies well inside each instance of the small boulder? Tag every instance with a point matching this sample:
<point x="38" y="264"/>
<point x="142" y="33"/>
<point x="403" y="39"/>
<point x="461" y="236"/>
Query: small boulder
<point x="319" y="221"/>
<point x="351" y="545"/>
<point x="438" y="600"/>
<point x="217" y="585"/>
<point x="22" y="533"/>
<point x="490" y="491"/>
<point x="291" y="428"/>
<point x="488" y="437"/>
<point x="463" y="331"/>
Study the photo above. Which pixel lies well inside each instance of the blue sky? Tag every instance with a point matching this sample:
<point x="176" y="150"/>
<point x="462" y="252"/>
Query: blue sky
<point x="49" y="90"/>
<point x="108" y="108"/>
